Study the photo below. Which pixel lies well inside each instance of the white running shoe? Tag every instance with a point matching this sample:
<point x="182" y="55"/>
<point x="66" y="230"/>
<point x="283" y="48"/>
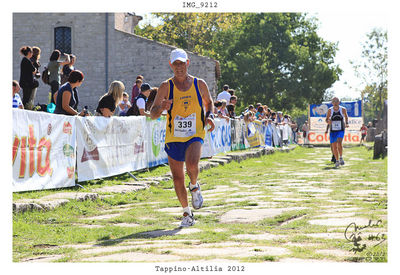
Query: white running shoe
<point x="197" y="198"/>
<point x="337" y="164"/>
<point x="341" y="161"/>
<point x="187" y="220"/>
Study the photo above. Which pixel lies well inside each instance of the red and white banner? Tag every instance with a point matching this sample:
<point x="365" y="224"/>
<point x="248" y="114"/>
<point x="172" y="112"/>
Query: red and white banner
<point x="110" y="146"/>
<point x="319" y="137"/>
<point x="43" y="150"/>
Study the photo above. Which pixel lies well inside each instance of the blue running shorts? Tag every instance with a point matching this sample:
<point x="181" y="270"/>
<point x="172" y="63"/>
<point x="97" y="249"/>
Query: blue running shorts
<point x="177" y="150"/>
<point x="333" y="136"/>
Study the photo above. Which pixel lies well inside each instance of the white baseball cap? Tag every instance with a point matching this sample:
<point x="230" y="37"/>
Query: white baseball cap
<point x="178" y="54"/>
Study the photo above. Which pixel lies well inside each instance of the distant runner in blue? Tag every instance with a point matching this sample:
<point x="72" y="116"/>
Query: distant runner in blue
<point x="335" y="118"/>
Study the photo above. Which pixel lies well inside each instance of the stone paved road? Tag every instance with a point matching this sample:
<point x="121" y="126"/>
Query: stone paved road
<point x="287" y="214"/>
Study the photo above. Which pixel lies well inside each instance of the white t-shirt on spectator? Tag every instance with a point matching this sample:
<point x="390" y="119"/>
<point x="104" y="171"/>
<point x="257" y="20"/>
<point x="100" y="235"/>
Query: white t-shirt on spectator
<point x="141" y="103"/>
<point x="224" y="95"/>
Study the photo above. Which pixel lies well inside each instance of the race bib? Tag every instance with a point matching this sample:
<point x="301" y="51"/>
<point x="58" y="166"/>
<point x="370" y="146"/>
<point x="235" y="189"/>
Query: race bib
<point x="185" y="126"/>
<point x="336" y="125"/>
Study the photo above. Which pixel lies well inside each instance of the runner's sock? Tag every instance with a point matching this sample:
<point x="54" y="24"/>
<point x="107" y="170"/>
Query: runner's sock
<point x="191" y="186"/>
<point x="187" y="210"/>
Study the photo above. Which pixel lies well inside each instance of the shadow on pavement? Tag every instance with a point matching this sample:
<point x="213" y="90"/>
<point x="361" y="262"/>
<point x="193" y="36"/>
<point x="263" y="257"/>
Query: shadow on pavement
<point x="141" y="235"/>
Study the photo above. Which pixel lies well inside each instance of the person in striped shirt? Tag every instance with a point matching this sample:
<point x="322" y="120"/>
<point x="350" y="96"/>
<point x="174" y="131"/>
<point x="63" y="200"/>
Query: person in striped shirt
<point x="17" y="102"/>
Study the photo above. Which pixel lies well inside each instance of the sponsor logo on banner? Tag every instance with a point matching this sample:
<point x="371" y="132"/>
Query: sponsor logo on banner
<point x="319" y="124"/>
<point x="315" y="137"/>
<point x="67" y="128"/>
<point x="111" y="146"/>
<point x="157" y="138"/>
<point x="36" y="160"/>
<point x="139" y="147"/>
<point x="90" y="155"/>
<point x="68" y="151"/>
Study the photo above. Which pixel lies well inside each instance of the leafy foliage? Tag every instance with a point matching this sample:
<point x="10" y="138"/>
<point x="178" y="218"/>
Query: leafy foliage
<point x="273" y="58"/>
<point x="372" y="70"/>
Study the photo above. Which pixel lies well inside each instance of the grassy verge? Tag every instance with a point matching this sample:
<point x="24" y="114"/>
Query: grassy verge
<point x="248" y="184"/>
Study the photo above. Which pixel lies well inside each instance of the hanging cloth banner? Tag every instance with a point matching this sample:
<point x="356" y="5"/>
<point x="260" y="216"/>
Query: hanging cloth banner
<point x="43" y="150"/>
<point x="110" y="146"/>
<point x="155" y="142"/>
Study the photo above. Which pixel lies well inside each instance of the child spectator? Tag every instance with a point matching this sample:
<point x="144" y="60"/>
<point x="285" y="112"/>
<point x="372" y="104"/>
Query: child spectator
<point x="222" y="112"/>
<point x="17" y="102"/>
<point x="223" y="109"/>
<point x="124" y="105"/>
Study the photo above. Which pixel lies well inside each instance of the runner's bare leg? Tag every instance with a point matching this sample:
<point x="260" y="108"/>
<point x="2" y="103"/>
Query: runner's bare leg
<point x="335" y="150"/>
<point x="192" y="158"/>
<point x="178" y="176"/>
<point x="340" y="146"/>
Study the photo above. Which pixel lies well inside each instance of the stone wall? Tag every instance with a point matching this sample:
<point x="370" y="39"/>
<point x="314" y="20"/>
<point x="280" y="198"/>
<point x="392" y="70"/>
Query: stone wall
<point x="134" y="55"/>
<point x="88" y="44"/>
<point x="128" y="54"/>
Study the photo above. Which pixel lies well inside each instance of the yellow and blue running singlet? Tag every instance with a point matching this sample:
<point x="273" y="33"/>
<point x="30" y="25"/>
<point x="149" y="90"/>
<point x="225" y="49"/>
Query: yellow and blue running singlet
<point x="185" y="120"/>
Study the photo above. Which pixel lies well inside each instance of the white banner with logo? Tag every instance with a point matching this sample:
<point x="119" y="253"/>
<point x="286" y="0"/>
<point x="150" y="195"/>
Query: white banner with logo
<point x="110" y="146"/>
<point x="43" y="150"/>
<point x="155" y="137"/>
<point x="219" y="140"/>
<point x="319" y="124"/>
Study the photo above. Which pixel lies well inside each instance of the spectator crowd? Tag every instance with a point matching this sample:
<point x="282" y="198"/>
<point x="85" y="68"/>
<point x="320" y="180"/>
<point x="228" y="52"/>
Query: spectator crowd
<point x="224" y="107"/>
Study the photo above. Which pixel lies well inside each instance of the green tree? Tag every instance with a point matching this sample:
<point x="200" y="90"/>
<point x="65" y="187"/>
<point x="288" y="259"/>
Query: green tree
<point x="195" y="32"/>
<point x="372" y="70"/>
<point x="278" y="59"/>
<point x="273" y="58"/>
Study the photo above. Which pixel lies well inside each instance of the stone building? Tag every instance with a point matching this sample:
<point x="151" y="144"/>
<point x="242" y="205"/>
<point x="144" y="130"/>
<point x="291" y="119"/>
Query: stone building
<point x="106" y="48"/>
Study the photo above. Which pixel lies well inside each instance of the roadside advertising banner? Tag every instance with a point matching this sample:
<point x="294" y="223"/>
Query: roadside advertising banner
<point x="155" y="135"/>
<point x="238" y="129"/>
<point x="219" y="140"/>
<point x="110" y="146"/>
<point x="318" y="126"/>
<point x="320" y="137"/>
<point x="354" y="109"/>
<point x="43" y="150"/>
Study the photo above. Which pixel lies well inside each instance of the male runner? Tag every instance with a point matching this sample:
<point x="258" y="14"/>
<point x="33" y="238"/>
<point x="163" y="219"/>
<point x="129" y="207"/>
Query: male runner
<point x="189" y="105"/>
<point x="335" y="116"/>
